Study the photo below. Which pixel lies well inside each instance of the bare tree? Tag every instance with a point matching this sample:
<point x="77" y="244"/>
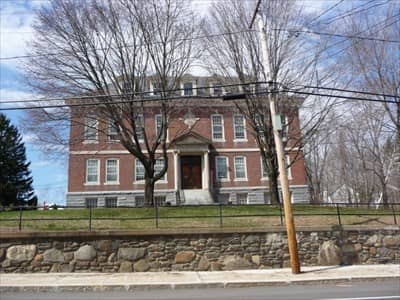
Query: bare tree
<point x="376" y="63"/>
<point x="236" y="57"/>
<point x="109" y="52"/>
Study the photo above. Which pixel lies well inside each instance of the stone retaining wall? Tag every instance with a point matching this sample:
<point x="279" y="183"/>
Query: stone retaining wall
<point x="206" y="251"/>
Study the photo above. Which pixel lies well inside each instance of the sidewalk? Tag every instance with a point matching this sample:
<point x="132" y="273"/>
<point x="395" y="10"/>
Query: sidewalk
<point x="171" y="280"/>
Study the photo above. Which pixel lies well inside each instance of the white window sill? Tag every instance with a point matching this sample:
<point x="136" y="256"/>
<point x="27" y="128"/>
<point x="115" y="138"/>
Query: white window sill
<point x="219" y="141"/>
<point x="91" y="183"/>
<point x="113" y="141"/>
<point x="111" y="183"/>
<point x="90" y="142"/>
<point x="240" y="179"/>
<point x="264" y="178"/>
<point x="240" y="140"/>
<point x="139" y="182"/>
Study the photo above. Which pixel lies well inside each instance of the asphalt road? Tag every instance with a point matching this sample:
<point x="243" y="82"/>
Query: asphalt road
<point x="375" y="290"/>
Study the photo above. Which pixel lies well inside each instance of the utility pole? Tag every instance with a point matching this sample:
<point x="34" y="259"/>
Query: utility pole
<point x="290" y="228"/>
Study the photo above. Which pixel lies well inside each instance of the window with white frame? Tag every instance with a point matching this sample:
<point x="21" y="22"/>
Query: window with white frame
<point x="112" y="131"/>
<point x="285" y="127"/>
<point x="289" y="171"/>
<point x="91" y="202"/>
<point x="91" y="128"/>
<point x="159" y="166"/>
<point x="139" y="170"/>
<point x="222" y="171"/>
<point x="139" y="201"/>
<point x="216" y="89"/>
<point x="155" y="88"/>
<point x="112" y="171"/>
<point x="240" y="168"/>
<point x="92" y="171"/>
<point x="260" y="125"/>
<point x="241" y="198"/>
<point x="264" y="171"/>
<point x="217" y="127"/>
<point x="188" y="89"/>
<point x="139" y="126"/>
<point x="111" y="202"/>
<point x="158" y="123"/>
<point x="160" y="200"/>
<point x="239" y="127"/>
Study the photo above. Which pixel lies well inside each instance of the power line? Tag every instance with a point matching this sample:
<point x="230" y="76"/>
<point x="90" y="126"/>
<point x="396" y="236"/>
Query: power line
<point x="338" y="35"/>
<point x="338" y="96"/>
<point x="32" y="101"/>
<point x="325" y="11"/>
<point x="349" y="91"/>
<point x="195" y="97"/>
<point x="125" y="94"/>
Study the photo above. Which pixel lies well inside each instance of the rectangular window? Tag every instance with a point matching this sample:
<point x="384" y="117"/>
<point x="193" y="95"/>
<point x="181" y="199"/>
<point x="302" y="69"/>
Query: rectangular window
<point x="239" y="127"/>
<point x="289" y="171"/>
<point x="112" y="170"/>
<point x="267" y="198"/>
<point x="139" y="126"/>
<point x="217" y="126"/>
<point x="91" y="202"/>
<point x="158" y="121"/>
<point x="221" y="163"/>
<point x="112" y="131"/>
<point x="159" y="166"/>
<point x="139" y="171"/>
<point x="241" y="198"/>
<point x="160" y="200"/>
<point x="264" y="173"/>
<point x="216" y="89"/>
<point x="155" y="88"/>
<point x="260" y="125"/>
<point x="188" y="89"/>
<point x="139" y="201"/>
<point x="240" y="167"/>
<point x="92" y="171"/>
<point x="285" y="127"/>
<point x="111" y="202"/>
<point x="91" y="128"/>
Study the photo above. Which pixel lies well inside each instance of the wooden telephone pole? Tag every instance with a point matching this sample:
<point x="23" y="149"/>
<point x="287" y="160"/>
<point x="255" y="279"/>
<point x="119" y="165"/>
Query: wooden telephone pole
<point x="290" y="228"/>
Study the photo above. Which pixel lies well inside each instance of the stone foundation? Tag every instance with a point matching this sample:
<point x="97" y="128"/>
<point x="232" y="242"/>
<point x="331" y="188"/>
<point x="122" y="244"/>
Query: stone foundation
<point x="184" y="251"/>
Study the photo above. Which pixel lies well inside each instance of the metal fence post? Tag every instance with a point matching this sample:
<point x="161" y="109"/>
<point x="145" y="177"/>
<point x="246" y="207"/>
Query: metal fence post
<point x="20" y="218"/>
<point x="220" y="215"/>
<point x="90" y="218"/>
<point x="338" y="214"/>
<point x="394" y="215"/>
<point x="280" y="213"/>
<point x="156" y="213"/>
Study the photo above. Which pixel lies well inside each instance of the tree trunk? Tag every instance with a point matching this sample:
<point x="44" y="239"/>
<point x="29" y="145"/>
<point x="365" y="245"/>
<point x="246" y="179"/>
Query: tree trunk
<point x="149" y="192"/>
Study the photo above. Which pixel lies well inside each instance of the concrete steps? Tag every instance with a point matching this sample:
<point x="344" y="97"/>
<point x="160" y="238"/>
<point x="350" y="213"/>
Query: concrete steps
<point x="196" y="197"/>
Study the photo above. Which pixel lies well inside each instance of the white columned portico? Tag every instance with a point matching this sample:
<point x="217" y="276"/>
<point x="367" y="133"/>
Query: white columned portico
<point x="206" y="171"/>
<point x="176" y="170"/>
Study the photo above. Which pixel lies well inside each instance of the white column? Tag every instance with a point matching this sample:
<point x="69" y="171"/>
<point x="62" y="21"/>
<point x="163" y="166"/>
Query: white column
<point x="176" y="167"/>
<point x="206" y="171"/>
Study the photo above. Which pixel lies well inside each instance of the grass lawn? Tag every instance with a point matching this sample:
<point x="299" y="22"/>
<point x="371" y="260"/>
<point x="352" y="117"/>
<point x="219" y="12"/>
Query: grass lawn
<point x="189" y="217"/>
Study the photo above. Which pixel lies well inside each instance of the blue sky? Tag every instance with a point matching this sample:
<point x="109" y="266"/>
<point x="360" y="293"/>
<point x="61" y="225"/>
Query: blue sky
<point x="50" y="177"/>
<point x="16" y="17"/>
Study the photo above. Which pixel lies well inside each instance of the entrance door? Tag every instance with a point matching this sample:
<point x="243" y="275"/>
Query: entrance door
<point x="191" y="172"/>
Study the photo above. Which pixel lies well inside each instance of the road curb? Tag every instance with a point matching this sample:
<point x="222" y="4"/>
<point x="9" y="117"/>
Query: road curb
<point x="185" y="285"/>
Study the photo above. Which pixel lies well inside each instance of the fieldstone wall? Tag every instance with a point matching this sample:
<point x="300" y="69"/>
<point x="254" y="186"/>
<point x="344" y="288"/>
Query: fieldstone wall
<point x="195" y="251"/>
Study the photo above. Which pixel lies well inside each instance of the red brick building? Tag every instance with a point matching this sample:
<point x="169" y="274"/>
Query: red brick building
<point x="212" y="158"/>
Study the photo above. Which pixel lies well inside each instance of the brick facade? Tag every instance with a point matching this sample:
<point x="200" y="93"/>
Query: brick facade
<point x="196" y="141"/>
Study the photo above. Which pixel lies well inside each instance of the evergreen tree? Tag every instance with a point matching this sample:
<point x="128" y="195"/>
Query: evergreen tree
<point x="15" y="176"/>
